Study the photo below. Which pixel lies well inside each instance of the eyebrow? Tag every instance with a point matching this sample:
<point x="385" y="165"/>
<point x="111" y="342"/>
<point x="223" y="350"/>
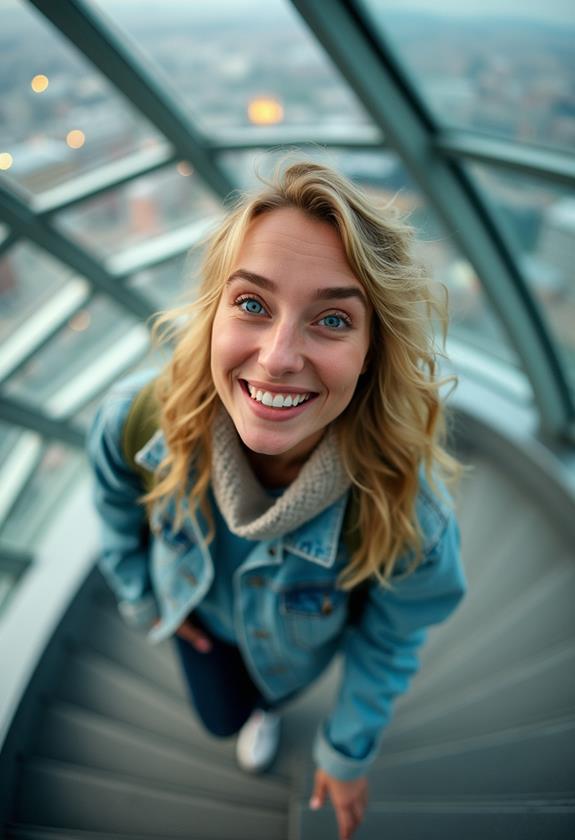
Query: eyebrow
<point x="327" y="293"/>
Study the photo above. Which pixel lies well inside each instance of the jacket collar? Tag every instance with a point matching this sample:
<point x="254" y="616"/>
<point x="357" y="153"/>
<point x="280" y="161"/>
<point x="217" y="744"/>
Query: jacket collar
<point x="316" y="540"/>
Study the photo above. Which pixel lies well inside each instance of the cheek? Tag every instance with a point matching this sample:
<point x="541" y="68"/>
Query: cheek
<point x="343" y="371"/>
<point x="228" y="349"/>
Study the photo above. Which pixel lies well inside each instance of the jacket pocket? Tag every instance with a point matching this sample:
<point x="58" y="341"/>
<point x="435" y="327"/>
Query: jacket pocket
<point x="313" y="614"/>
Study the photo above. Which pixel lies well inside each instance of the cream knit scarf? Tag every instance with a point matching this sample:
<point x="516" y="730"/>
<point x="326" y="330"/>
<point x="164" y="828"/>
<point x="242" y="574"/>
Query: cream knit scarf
<point x="252" y="513"/>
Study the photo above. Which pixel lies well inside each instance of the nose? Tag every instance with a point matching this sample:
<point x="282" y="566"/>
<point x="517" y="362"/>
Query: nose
<point x="281" y="351"/>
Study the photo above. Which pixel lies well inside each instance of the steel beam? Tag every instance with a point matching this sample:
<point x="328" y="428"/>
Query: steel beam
<point x="129" y="72"/>
<point x="23" y="221"/>
<point x="107" y="177"/>
<point x="20" y="414"/>
<point x="551" y="165"/>
<point x="381" y="85"/>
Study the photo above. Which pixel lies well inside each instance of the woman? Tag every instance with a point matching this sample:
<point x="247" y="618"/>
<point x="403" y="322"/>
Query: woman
<point x="295" y="493"/>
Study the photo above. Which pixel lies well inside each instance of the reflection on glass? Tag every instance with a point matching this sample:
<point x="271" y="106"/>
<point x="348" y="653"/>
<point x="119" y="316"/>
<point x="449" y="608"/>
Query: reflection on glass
<point x="29" y="278"/>
<point x="383" y="176"/>
<point x="140" y="211"/>
<point x="8" y="438"/>
<point x="171" y="283"/>
<point x="49" y="93"/>
<point x="34" y="509"/>
<point x="539" y="219"/>
<point x="500" y="67"/>
<point x="82" y="342"/>
<point x="239" y="63"/>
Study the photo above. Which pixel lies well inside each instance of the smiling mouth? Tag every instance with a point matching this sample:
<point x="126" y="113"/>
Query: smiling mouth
<point x="279" y="400"/>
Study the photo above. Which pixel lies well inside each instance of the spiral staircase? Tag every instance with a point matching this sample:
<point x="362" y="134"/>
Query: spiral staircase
<point x="104" y="743"/>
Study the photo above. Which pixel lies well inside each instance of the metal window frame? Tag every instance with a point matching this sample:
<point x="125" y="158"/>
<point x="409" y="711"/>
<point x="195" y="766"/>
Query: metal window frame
<point x="400" y="120"/>
<point x="372" y="70"/>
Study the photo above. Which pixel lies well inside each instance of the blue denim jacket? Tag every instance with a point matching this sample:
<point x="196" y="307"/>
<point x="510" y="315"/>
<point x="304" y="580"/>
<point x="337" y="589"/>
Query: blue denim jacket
<point x="290" y="619"/>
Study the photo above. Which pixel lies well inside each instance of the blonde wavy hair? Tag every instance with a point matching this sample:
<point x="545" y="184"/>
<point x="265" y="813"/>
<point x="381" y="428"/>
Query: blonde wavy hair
<point x="396" y="421"/>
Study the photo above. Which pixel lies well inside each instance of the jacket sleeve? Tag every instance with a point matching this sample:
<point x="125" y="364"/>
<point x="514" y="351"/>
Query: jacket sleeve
<point x="380" y="655"/>
<point x="124" y="558"/>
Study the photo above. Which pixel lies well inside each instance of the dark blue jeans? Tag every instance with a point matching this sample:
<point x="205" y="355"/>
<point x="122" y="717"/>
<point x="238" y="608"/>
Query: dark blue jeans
<point x="221" y="689"/>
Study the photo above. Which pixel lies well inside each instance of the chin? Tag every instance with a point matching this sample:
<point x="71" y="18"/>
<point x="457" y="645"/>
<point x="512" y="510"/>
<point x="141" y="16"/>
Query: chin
<point x="264" y="446"/>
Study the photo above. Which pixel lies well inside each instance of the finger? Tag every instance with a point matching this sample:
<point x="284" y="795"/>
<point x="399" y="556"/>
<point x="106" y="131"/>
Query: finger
<point x="195" y="637"/>
<point x="346" y="822"/>
<point x="318" y="795"/>
<point x="358" y="810"/>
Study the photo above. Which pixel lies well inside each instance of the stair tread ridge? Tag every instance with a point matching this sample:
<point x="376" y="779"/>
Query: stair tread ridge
<point x="206" y="761"/>
<point x="117" y="781"/>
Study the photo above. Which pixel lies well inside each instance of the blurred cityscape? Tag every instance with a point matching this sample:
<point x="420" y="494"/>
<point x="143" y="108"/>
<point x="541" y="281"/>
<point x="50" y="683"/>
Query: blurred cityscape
<point x="239" y="68"/>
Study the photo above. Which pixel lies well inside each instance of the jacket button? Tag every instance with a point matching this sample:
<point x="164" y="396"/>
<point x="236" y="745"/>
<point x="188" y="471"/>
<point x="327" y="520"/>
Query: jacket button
<point x="261" y="634"/>
<point x="272" y="551"/>
<point x="326" y="606"/>
<point x="256" y="582"/>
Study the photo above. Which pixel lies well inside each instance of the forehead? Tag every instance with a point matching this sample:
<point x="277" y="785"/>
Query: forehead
<point x="286" y="239"/>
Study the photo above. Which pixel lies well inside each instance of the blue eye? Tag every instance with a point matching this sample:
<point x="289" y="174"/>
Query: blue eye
<point x="251" y="305"/>
<point x="334" y="322"/>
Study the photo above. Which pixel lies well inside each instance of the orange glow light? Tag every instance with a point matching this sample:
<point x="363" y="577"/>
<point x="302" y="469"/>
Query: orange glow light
<point x="184" y="168"/>
<point x="265" y="111"/>
<point x="81" y="321"/>
<point x="75" y="139"/>
<point x="6" y="160"/>
<point x="39" y="83"/>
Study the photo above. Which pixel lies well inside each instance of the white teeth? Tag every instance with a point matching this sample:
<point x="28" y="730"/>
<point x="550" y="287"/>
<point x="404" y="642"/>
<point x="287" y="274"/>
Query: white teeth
<point x="276" y="400"/>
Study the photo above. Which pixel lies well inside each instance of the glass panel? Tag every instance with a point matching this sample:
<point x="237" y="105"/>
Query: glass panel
<point x="496" y="66"/>
<point x="83" y="341"/>
<point x="153" y="360"/>
<point x="383" y="176"/>
<point x="240" y="64"/>
<point x="171" y="283"/>
<point x="59" y="116"/>
<point x="33" y="511"/>
<point x="29" y="278"/>
<point x="539" y="219"/>
<point x="140" y="211"/>
<point x="8" y="438"/>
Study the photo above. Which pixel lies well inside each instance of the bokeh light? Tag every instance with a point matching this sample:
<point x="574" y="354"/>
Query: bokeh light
<point x="75" y="139"/>
<point x="265" y="111"/>
<point x="39" y="83"/>
<point x="6" y="160"/>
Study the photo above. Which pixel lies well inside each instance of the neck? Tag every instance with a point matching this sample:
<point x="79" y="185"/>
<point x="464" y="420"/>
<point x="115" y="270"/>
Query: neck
<point x="280" y="470"/>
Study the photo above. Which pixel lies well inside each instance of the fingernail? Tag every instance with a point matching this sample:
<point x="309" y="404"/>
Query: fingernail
<point x="314" y="803"/>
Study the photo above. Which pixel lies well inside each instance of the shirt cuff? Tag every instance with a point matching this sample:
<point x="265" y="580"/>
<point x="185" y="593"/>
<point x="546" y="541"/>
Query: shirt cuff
<point x="335" y="763"/>
<point x="141" y="614"/>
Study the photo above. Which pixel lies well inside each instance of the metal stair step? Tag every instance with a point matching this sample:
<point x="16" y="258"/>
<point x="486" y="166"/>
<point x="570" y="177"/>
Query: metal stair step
<point x="73" y="735"/>
<point x="520" y="562"/>
<point x="525" y="760"/>
<point x="440" y="821"/>
<point x="25" y="831"/>
<point x="522" y="694"/>
<point x="511" y="637"/>
<point x="52" y="793"/>
<point x="101" y="686"/>
<point x="109" y="636"/>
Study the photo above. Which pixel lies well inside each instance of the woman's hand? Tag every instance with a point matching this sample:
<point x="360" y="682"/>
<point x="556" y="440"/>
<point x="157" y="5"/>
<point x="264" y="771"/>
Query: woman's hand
<point x="196" y="637"/>
<point x="349" y="800"/>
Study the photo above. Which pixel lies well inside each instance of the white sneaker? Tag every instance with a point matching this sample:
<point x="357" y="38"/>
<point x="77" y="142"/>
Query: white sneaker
<point x="258" y="741"/>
